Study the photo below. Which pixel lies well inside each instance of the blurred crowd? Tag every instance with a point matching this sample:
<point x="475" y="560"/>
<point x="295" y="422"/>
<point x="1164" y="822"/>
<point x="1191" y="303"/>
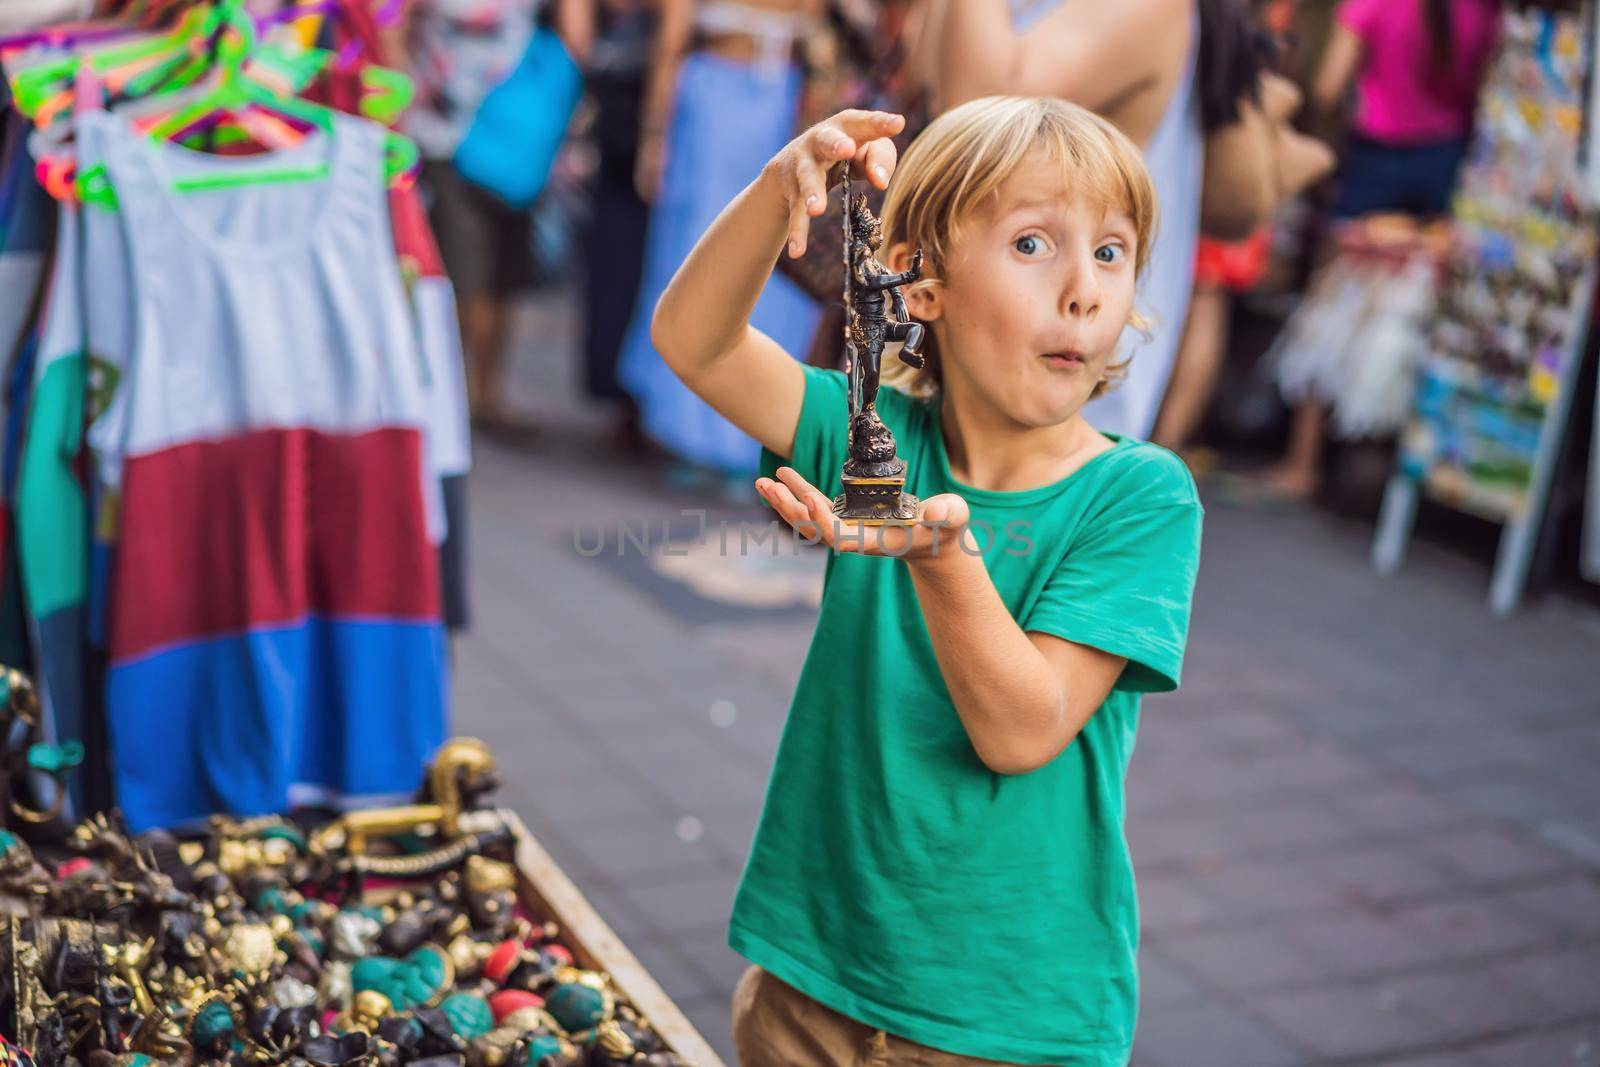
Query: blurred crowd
<point x="1268" y="127"/>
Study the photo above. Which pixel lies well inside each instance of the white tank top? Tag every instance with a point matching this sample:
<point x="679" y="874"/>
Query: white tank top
<point x="774" y="31"/>
<point x="264" y="305"/>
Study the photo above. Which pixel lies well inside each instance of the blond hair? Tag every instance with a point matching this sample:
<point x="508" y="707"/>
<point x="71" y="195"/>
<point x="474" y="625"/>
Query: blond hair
<point x="965" y="155"/>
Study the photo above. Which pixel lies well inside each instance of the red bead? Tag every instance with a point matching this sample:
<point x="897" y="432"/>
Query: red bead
<point x="71" y="867"/>
<point x="506" y="1001"/>
<point x="560" y="952"/>
<point x="497" y="968"/>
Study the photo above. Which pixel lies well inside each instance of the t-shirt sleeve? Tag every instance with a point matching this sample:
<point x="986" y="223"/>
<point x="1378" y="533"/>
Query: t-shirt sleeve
<point x="820" y="435"/>
<point x="1359" y="16"/>
<point x="1125" y="586"/>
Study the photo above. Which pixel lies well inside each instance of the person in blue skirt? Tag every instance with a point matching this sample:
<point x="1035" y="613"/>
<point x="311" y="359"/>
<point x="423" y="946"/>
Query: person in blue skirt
<point x="723" y="98"/>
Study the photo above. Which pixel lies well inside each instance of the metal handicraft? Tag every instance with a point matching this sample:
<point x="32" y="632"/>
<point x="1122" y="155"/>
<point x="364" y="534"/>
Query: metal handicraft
<point x="874" y="477"/>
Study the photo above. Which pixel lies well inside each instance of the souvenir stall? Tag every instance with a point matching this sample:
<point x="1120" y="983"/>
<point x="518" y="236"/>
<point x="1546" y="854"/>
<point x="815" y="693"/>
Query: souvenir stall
<point x="233" y="411"/>
<point x="1498" y="368"/>
<point x="234" y="402"/>
<point x="438" y="934"/>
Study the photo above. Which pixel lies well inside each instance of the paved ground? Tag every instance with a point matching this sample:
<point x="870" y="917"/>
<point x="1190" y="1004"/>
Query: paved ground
<point x="1367" y="829"/>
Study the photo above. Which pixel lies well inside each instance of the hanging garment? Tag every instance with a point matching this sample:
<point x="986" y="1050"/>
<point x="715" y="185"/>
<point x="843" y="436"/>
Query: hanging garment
<point x="729" y="119"/>
<point x="65" y="499"/>
<point x="274" y="625"/>
<point x="27" y="220"/>
<point x="449" y="430"/>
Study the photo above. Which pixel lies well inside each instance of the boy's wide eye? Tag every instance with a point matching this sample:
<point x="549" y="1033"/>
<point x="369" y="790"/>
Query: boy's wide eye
<point x="1110" y="253"/>
<point x="1028" y="245"/>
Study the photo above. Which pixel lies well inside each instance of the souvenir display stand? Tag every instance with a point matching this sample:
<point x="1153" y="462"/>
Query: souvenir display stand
<point x="547" y="892"/>
<point x="435" y="934"/>
<point x="1495" y="384"/>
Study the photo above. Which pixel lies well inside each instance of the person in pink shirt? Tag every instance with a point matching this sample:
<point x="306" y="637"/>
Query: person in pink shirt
<point x="1416" y="65"/>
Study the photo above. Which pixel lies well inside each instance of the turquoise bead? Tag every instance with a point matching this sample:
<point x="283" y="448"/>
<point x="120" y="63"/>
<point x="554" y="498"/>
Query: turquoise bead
<point x="541" y="1046"/>
<point x="213" y="1024"/>
<point x="469" y="1014"/>
<point x="577" y="1007"/>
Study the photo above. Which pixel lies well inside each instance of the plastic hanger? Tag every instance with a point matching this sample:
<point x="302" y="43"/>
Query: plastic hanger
<point x="50" y="79"/>
<point x="236" y="92"/>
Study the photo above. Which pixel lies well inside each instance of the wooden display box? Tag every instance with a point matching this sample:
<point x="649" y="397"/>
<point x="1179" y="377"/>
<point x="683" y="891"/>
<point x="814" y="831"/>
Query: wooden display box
<point x="548" y="894"/>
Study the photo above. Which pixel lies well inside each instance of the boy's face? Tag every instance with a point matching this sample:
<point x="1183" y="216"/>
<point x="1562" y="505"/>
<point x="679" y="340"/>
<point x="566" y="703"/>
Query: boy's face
<point x="1038" y="290"/>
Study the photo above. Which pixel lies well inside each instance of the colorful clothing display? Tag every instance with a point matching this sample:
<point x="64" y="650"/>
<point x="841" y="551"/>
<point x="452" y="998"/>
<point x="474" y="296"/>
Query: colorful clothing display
<point x="238" y="430"/>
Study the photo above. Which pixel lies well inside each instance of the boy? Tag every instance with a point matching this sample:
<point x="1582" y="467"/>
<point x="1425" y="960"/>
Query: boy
<point x="940" y="873"/>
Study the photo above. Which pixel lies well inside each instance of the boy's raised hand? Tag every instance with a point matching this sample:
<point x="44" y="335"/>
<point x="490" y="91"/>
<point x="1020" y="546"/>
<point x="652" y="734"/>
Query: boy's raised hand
<point x="800" y="169"/>
<point x="941" y="533"/>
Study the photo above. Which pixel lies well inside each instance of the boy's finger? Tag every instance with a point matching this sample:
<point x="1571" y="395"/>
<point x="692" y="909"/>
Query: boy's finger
<point x="799" y="226"/>
<point x="784" y="502"/>
<point x="830" y="143"/>
<point x="801" y="488"/>
<point x="834" y="148"/>
<point x="813" y="187"/>
<point x="868" y="125"/>
<point x="877" y="161"/>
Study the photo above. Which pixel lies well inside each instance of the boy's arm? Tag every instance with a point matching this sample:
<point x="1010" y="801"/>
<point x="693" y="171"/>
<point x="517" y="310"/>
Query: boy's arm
<point x="1021" y="696"/>
<point x="702" y="327"/>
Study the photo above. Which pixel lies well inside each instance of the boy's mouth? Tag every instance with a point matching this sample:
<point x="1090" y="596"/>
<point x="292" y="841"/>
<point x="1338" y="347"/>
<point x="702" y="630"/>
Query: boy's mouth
<point x="1064" y="359"/>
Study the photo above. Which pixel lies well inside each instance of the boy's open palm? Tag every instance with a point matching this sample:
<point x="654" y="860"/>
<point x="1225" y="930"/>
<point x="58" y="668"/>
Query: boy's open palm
<point x="801" y="168"/>
<point x="939" y="533"/>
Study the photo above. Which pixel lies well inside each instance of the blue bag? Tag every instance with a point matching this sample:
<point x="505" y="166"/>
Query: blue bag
<point x="512" y="143"/>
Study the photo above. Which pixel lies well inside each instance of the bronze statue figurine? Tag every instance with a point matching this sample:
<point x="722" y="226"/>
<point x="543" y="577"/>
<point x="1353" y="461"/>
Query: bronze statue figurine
<point x="875" y="314"/>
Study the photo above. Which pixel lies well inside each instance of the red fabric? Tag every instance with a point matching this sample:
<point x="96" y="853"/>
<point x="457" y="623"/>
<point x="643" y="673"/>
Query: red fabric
<point x="413" y="236"/>
<point x="267" y="527"/>
<point x="1235" y="265"/>
<point x="353" y="27"/>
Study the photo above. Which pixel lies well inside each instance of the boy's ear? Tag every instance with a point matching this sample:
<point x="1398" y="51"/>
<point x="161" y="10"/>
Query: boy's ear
<point x="923" y="301"/>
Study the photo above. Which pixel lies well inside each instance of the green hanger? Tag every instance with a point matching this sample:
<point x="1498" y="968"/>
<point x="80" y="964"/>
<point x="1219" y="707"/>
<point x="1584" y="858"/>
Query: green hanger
<point x="235" y="91"/>
<point x="37" y="85"/>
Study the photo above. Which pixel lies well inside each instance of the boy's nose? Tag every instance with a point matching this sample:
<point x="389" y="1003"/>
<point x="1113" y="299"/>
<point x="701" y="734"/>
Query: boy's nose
<point x="1080" y="296"/>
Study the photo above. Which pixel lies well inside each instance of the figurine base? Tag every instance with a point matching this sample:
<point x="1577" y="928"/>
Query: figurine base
<point x="876" y="502"/>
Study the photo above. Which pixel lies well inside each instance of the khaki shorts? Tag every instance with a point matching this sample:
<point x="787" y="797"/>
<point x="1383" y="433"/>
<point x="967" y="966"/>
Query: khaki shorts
<point x="776" y="1025"/>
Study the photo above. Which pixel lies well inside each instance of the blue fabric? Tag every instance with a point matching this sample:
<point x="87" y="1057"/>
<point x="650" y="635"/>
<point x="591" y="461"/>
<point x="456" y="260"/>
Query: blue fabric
<point x="1415" y="179"/>
<point x="730" y="118"/>
<point x="19" y="386"/>
<point x="366" y="707"/>
<point x="518" y="129"/>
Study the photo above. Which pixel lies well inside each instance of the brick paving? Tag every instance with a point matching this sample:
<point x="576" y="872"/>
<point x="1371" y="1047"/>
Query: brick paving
<point x="1367" y="829"/>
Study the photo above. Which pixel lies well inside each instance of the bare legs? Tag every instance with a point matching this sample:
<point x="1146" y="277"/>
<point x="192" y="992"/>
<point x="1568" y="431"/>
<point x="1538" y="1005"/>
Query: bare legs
<point x="1199" y="365"/>
<point x="484" y="323"/>
<point x="1299" y="473"/>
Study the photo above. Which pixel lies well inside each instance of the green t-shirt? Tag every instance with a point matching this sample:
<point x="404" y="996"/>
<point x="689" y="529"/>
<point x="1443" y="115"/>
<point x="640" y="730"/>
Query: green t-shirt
<point x="893" y="876"/>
